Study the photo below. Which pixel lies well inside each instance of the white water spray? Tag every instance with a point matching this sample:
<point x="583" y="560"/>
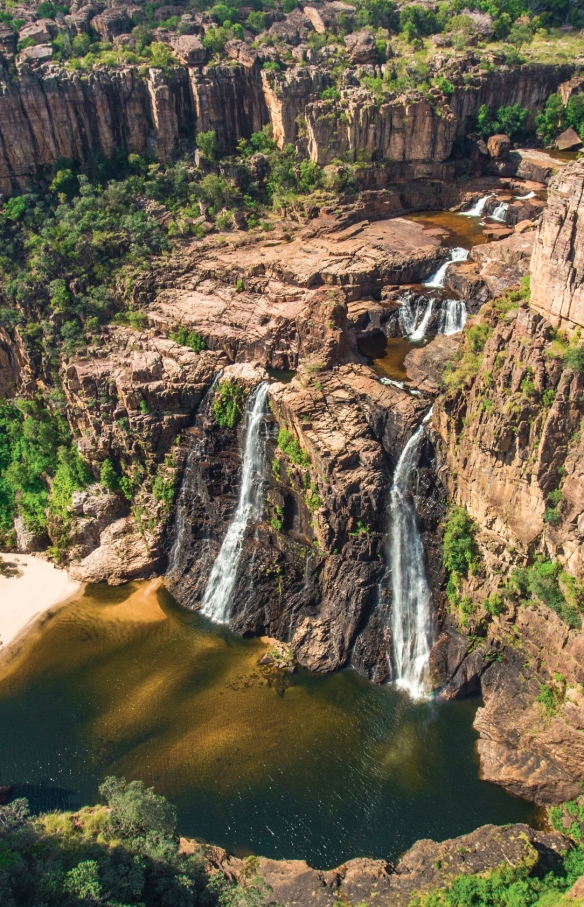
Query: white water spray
<point x="437" y="279"/>
<point x="522" y="198"/>
<point x="452" y="317"/>
<point x="500" y="213"/>
<point x="411" y="615"/>
<point x="216" y="604"/>
<point x="478" y="208"/>
<point x="420" y="331"/>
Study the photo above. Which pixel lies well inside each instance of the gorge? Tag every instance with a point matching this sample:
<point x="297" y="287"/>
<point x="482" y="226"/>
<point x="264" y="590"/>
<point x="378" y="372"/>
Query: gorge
<point x="292" y="382"/>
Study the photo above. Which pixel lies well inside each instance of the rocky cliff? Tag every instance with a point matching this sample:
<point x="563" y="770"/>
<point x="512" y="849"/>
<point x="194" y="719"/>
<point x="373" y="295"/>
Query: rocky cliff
<point x="558" y="267"/>
<point x="51" y="113"/>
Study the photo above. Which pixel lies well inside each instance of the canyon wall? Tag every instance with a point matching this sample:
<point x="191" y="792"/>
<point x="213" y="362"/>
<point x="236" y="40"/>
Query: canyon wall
<point x="558" y="256"/>
<point x="52" y="113"/>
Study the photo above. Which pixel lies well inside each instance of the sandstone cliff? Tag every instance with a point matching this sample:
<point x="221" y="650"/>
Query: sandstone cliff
<point x="558" y="264"/>
<point x="51" y="113"/>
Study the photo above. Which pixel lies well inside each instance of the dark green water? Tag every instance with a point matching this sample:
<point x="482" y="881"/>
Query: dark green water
<point x="324" y="768"/>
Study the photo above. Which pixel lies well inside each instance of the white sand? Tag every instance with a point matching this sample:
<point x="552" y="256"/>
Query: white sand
<point x="39" y="587"/>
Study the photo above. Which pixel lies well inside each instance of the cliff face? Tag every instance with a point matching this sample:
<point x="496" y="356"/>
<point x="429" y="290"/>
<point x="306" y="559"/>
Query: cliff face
<point x="52" y="113"/>
<point x="558" y="256"/>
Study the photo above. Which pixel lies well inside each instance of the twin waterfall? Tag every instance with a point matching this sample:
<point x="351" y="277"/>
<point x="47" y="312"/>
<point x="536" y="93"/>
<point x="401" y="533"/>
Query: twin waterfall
<point x="411" y="608"/>
<point x="216" y="604"/>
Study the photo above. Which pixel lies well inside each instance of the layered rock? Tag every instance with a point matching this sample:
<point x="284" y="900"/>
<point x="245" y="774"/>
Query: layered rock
<point x="558" y="256"/>
<point x="428" y="866"/>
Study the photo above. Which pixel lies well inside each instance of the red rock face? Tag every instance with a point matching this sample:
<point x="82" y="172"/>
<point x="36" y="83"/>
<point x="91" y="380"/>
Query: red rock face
<point x="558" y="256"/>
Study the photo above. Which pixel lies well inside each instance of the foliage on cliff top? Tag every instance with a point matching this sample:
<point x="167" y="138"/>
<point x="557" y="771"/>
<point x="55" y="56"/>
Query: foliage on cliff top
<point x="123" y="855"/>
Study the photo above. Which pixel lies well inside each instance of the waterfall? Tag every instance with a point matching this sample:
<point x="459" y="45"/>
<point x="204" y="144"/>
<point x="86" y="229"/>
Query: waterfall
<point x="415" y="310"/>
<point x="452" y="317"/>
<point x="182" y="506"/>
<point x="420" y="331"/>
<point x="437" y="279"/>
<point x="500" y="213"/>
<point x="478" y="207"/>
<point x="411" y="615"/>
<point x="216" y="603"/>
<point x="522" y="198"/>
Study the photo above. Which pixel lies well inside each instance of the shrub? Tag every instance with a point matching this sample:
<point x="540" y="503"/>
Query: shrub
<point x="574" y="358"/>
<point x="460" y="552"/>
<point x="290" y="445"/>
<point x="108" y="476"/>
<point x="227" y="406"/>
<point x="191" y="339"/>
<point x="137" y="811"/>
<point x="207" y="144"/>
<point x="547" y="582"/>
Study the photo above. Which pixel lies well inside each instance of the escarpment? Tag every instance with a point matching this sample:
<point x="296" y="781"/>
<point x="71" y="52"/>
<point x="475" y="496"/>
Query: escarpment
<point x="51" y="113"/>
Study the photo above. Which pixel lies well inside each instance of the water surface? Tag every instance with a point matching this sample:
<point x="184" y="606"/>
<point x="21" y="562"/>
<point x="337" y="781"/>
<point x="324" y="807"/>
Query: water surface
<point x="324" y="768"/>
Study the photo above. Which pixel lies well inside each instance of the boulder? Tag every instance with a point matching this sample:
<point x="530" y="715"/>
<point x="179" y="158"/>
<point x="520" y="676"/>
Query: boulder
<point x="361" y="47"/>
<point x="499" y="147"/>
<point x="7" y="41"/>
<point x="110" y="23"/>
<point x="568" y="140"/>
<point x="40" y="53"/>
<point x="189" y="49"/>
<point x="41" y="32"/>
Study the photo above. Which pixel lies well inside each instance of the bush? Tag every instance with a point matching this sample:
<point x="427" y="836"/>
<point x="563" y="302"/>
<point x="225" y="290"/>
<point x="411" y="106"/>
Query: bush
<point x="191" y="339"/>
<point x="509" y="120"/>
<point x="547" y="582"/>
<point x="108" y="476"/>
<point x="290" y="445"/>
<point x="460" y="553"/>
<point x="574" y="358"/>
<point x="207" y="144"/>
<point x="227" y="406"/>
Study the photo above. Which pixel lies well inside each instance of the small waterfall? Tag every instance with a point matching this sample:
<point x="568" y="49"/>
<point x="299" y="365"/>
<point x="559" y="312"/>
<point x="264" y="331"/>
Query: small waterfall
<point x="216" y="604"/>
<point x="452" y="316"/>
<point x="411" y="614"/>
<point x="500" y="213"/>
<point x="415" y="311"/>
<point x="437" y="279"/>
<point x="522" y="198"/>
<point x="478" y="208"/>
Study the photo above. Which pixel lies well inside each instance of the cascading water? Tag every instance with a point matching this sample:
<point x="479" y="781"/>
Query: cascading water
<point x="522" y="198"/>
<point x="415" y="311"/>
<point x="478" y="208"/>
<point x="216" y="604"/>
<point x="500" y="213"/>
<point x="437" y="279"/>
<point x="452" y="316"/>
<point x="411" y="615"/>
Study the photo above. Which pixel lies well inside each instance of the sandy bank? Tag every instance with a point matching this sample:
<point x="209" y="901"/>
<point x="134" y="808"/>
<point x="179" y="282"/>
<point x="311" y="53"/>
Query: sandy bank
<point x="36" y="587"/>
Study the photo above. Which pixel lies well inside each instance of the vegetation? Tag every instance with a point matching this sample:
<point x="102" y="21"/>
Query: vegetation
<point x="39" y="469"/>
<point x="120" y="855"/>
<point x="228" y="403"/>
<point x="289" y="444"/>
<point x="460" y="551"/>
<point x="508" y="120"/>
<point x="555" y="117"/>
<point x="188" y="338"/>
<point x="521" y="886"/>
<point x="546" y="581"/>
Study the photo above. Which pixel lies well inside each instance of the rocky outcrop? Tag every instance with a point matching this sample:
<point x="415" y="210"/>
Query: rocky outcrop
<point x="427" y="866"/>
<point x="558" y="262"/>
<point x="127" y="402"/>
